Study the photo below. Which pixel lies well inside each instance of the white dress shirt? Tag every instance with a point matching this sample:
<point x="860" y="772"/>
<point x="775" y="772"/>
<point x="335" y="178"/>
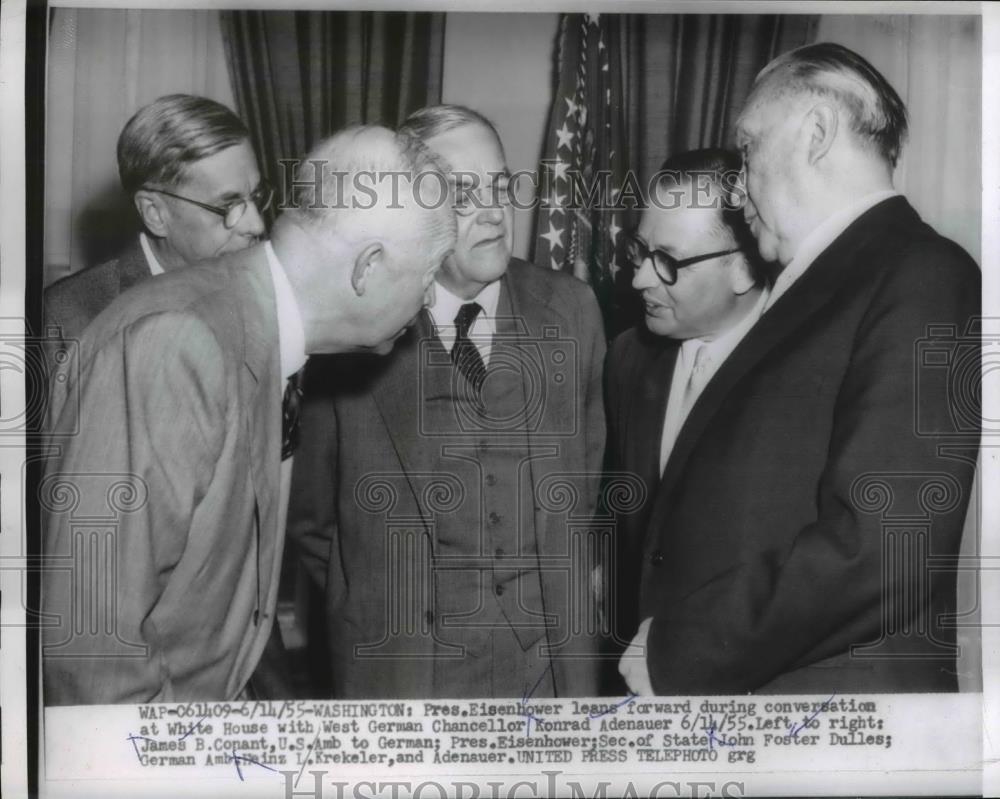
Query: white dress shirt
<point x="687" y="385"/>
<point x="445" y="309"/>
<point x="292" y="357"/>
<point x="147" y="250"/>
<point x="822" y="237"/>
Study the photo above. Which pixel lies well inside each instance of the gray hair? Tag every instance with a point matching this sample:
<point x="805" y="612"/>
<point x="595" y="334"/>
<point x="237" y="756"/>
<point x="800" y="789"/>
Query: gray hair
<point x="362" y="167"/>
<point x="163" y="138"/>
<point x="426" y="123"/>
<point x="875" y="111"/>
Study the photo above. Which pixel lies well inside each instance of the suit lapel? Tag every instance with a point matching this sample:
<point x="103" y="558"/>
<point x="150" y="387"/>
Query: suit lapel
<point x="396" y="394"/>
<point x="644" y="412"/>
<point x="836" y="269"/>
<point x="261" y="372"/>
<point x="531" y="312"/>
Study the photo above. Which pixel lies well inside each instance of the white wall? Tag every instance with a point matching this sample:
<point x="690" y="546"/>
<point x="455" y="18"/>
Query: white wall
<point x="935" y="64"/>
<point x="104" y="64"/>
<point x="502" y="66"/>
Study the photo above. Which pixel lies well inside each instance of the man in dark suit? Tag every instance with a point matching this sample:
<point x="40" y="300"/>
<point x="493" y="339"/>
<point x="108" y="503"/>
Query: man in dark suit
<point x="447" y="522"/>
<point x="187" y="164"/>
<point x="800" y="535"/>
<point x="702" y="287"/>
<point x="178" y="426"/>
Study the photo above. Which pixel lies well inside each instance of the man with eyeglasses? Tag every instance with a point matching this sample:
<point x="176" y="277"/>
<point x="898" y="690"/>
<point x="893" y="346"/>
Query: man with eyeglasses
<point x="482" y="426"/>
<point x="180" y="428"/>
<point x="187" y="164"/>
<point x="702" y="289"/>
<point x="805" y="529"/>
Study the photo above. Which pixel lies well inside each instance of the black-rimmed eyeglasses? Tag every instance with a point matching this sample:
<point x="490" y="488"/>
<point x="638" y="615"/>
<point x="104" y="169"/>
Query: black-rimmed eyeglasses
<point x="232" y="213"/>
<point x="664" y="264"/>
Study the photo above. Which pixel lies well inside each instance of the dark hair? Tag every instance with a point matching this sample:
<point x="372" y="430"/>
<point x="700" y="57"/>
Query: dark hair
<point x="718" y="170"/>
<point x="433" y="120"/>
<point x="876" y="112"/>
<point x="162" y="138"/>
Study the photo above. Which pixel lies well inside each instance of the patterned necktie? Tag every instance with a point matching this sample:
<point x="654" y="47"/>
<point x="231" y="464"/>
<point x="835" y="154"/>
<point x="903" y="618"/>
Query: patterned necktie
<point x="290" y="417"/>
<point x="464" y="354"/>
<point x="698" y="377"/>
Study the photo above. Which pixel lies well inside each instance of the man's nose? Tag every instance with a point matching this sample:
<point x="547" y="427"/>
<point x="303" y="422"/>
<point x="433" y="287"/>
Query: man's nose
<point x="490" y="215"/>
<point x="645" y="276"/>
<point x="251" y="224"/>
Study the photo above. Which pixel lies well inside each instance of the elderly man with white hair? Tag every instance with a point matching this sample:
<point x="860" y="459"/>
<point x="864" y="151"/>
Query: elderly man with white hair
<point x="802" y="530"/>
<point x="178" y="421"/>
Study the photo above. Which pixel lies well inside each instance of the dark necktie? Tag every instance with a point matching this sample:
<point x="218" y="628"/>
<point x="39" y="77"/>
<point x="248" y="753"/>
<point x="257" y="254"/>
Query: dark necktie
<point x="290" y="417"/>
<point x="465" y="355"/>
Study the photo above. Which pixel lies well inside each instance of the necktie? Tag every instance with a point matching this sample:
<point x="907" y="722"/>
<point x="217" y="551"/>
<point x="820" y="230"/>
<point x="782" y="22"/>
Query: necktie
<point x="290" y="417"/>
<point x="465" y="355"/>
<point x="698" y="377"/>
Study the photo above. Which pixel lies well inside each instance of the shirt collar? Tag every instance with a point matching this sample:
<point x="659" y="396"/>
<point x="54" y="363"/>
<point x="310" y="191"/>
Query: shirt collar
<point x="718" y="349"/>
<point x="446" y="304"/>
<point x="147" y="250"/>
<point x="824" y="234"/>
<point x="291" y="334"/>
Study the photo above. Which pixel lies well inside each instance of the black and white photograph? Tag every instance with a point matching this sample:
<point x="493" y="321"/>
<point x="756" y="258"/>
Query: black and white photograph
<point x="440" y="401"/>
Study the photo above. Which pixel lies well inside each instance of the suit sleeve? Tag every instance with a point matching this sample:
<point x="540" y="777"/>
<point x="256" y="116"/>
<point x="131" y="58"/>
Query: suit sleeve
<point x="780" y="610"/>
<point x="138" y="436"/>
<point x="312" y="510"/>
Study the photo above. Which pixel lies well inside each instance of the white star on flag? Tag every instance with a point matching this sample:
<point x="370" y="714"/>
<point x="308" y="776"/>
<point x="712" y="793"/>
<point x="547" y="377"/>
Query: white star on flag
<point x="565" y="137"/>
<point x="573" y="107"/>
<point x="614" y="230"/>
<point x="560" y="169"/>
<point x="554" y="236"/>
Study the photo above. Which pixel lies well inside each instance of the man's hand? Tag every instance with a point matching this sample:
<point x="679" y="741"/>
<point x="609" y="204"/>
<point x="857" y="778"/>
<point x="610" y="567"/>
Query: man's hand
<point x="632" y="665"/>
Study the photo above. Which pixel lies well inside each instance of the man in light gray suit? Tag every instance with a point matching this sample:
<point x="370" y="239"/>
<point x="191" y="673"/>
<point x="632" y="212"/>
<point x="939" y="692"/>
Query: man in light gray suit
<point x="177" y="422"/>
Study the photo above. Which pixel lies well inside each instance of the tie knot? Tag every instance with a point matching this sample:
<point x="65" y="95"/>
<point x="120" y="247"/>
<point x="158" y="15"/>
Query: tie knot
<point x="465" y="318"/>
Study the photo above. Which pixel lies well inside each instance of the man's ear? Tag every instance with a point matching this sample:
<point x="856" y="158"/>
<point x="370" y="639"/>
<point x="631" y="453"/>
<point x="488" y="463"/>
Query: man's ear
<point x="740" y="278"/>
<point x="152" y="212"/>
<point x="821" y="124"/>
<point x="369" y="257"/>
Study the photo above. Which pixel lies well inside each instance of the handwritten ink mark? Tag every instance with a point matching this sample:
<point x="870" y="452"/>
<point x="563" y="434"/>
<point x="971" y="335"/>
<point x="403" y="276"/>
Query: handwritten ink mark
<point x="795" y="729"/>
<point x="713" y="738"/>
<point x="133" y="739"/>
<point x="308" y="756"/>
<point x="237" y="758"/>
<point x="194" y="726"/>
<point x="614" y="708"/>
<point x="524" y="702"/>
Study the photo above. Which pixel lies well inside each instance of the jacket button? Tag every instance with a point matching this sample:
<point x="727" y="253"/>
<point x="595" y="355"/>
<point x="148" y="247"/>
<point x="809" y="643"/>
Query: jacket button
<point x="491" y="479"/>
<point x="498" y="590"/>
<point x="656" y="557"/>
<point x="494" y="518"/>
<point x="499" y="552"/>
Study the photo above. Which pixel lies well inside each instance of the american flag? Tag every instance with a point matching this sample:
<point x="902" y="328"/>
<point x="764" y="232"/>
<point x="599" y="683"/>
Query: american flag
<point x="584" y="145"/>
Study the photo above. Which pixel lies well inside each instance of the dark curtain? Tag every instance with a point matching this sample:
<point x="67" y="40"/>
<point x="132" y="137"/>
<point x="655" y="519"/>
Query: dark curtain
<point x="633" y="89"/>
<point x="687" y="75"/>
<point x="299" y="76"/>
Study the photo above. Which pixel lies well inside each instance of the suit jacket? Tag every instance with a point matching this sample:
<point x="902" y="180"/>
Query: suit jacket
<point x="367" y="425"/>
<point x="73" y="302"/>
<point x="810" y="487"/>
<point x="170" y="444"/>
